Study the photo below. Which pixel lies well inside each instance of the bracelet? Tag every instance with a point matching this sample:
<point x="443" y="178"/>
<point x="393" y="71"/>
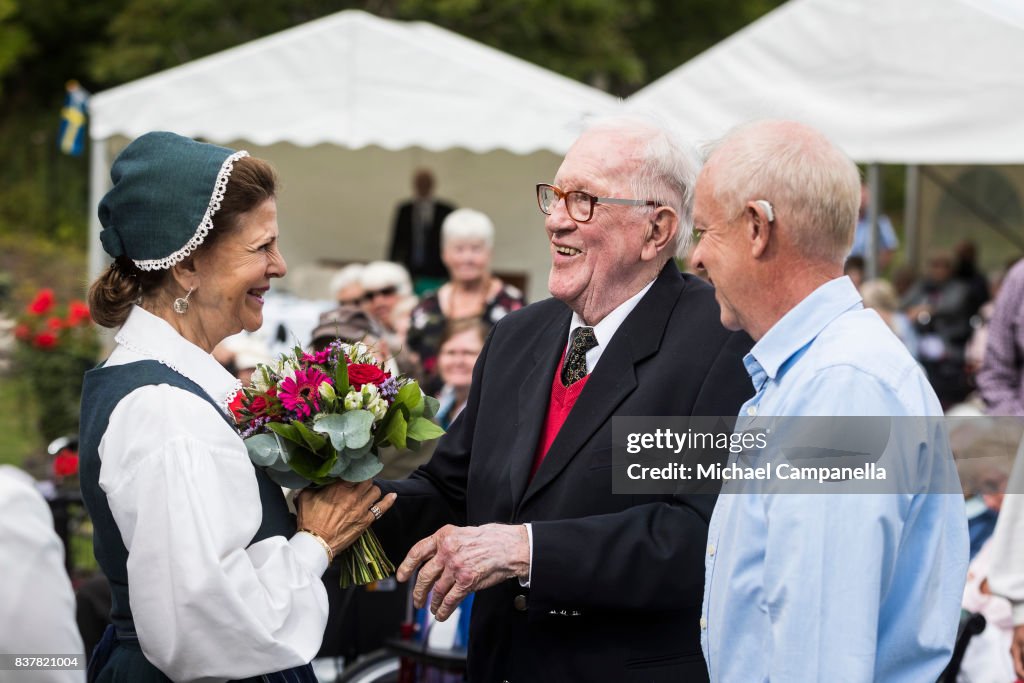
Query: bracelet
<point x="325" y="544"/>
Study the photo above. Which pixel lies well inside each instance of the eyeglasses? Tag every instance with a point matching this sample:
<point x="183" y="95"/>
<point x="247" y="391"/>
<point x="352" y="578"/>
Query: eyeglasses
<point x="578" y="203"/>
<point x="370" y="295"/>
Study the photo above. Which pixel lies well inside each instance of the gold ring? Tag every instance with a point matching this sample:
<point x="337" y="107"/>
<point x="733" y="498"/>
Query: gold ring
<point x="375" y="511"/>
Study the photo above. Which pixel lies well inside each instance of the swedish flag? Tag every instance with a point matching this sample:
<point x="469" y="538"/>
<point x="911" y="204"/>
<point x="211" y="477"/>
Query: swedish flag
<point x="71" y="137"/>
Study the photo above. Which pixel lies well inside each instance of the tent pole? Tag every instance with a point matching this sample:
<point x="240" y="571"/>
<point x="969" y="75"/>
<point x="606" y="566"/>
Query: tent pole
<point x="874" y="188"/>
<point x="910" y="215"/>
<point x="98" y="166"/>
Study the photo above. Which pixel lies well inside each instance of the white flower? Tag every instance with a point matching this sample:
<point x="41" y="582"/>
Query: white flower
<point x="379" y="407"/>
<point x="287" y="368"/>
<point x="353" y="400"/>
<point x="370" y="392"/>
<point x="327" y="391"/>
<point x="261" y="379"/>
<point x="361" y="351"/>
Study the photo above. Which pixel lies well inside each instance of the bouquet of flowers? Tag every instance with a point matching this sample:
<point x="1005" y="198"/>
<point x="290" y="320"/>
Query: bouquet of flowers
<point x="56" y="345"/>
<point x="316" y="418"/>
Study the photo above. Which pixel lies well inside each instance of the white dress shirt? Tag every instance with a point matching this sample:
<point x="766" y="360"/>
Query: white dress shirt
<point x="180" y="485"/>
<point x="37" y="606"/>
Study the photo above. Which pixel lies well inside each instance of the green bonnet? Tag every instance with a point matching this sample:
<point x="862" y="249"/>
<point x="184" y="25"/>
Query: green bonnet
<point x="166" y="190"/>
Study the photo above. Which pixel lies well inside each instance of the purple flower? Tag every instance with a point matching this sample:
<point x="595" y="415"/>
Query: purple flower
<point x="389" y="388"/>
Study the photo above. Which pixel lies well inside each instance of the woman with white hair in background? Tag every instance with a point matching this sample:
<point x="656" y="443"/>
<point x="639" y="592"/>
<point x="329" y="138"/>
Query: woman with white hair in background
<point x="347" y="287"/>
<point x="467" y="241"/>
<point x="387" y="289"/>
<point x="880" y="295"/>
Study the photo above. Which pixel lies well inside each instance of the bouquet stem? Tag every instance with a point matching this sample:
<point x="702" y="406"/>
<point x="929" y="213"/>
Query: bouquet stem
<point x="364" y="561"/>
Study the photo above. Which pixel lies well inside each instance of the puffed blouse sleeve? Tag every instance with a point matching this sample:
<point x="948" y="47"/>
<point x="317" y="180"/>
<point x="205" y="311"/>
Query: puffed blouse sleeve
<point x="184" y="495"/>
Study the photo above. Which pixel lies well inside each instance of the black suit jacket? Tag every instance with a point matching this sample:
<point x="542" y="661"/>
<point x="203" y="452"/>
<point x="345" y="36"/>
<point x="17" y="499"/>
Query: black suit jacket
<point x="617" y="580"/>
<point x="401" y="241"/>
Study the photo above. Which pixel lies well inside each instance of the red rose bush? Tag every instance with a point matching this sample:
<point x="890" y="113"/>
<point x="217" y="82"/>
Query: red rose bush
<point x="56" y="344"/>
<point x="317" y="418"/>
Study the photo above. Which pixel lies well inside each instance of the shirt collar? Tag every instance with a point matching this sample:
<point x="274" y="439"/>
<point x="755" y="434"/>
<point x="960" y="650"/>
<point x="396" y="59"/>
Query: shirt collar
<point x="605" y="330"/>
<point x="153" y="337"/>
<point x="800" y="326"/>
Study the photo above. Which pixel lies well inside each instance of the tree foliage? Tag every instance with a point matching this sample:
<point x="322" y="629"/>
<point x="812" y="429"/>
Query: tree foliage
<point x="617" y="45"/>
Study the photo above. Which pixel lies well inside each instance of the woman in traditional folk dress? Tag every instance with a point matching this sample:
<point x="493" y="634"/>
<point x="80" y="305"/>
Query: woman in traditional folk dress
<point x="210" y="579"/>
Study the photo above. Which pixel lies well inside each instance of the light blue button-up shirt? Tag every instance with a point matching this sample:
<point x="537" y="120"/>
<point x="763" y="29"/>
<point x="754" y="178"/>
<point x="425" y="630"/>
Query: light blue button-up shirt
<point x="847" y="587"/>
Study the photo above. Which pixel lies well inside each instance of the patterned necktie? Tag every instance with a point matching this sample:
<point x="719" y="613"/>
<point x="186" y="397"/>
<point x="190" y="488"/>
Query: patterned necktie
<point x="575" y="367"/>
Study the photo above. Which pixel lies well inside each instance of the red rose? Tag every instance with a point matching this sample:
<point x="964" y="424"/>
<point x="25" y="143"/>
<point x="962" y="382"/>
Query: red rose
<point x="365" y="373"/>
<point x="45" y="340"/>
<point x="65" y="465"/>
<point x="23" y="332"/>
<point x="235" y="406"/>
<point x="55" y="323"/>
<point x="258" y="406"/>
<point x="42" y="303"/>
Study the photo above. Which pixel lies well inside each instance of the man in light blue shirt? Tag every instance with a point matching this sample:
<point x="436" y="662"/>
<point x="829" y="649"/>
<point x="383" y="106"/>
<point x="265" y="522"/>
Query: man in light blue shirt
<point x="805" y="586"/>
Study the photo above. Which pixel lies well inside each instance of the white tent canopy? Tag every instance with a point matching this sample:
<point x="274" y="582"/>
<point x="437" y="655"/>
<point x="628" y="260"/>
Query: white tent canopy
<point x="346" y="107"/>
<point x="890" y="81"/>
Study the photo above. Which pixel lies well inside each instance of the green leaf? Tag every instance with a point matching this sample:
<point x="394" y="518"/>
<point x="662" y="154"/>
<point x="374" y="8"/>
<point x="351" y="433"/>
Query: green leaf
<point x="363" y="469"/>
<point x="351" y="430"/>
<point x="410" y="396"/>
<point x="310" y="465"/>
<point x="396" y="430"/>
<point x="341" y="385"/>
<point x="422" y="429"/>
<point x="430" y="407"/>
<point x="263" y="449"/>
<point x="314" y="442"/>
<point x="286" y="431"/>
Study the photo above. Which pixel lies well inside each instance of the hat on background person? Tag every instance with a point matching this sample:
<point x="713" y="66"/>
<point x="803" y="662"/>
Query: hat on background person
<point x="348" y="323"/>
<point x="166" y="190"/>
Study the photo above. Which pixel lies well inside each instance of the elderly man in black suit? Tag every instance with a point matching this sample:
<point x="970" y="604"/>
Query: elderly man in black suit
<point x="572" y="582"/>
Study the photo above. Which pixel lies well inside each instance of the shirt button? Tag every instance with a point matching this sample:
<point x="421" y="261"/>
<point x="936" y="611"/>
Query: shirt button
<point x="751" y="410"/>
<point x="711" y="549"/>
<point x="703" y="624"/>
<point x="519" y="602"/>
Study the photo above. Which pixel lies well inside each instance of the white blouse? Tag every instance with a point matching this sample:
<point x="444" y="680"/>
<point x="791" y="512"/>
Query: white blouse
<point x="184" y="495"/>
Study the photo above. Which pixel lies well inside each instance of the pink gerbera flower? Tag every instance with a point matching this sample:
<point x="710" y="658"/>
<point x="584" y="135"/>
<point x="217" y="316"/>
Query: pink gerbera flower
<point x="302" y="393"/>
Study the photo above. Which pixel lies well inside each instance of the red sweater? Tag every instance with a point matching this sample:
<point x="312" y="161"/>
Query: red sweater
<point x="559" y="406"/>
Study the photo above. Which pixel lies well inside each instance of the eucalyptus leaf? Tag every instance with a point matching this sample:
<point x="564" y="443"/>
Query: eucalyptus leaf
<point x="422" y="429"/>
<point x="347" y="430"/>
<point x="342" y="462"/>
<point x="355" y="453"/>
<point x="263" y="449"/>
<point x="363" y="469"/>
<point x="289" y="479"/>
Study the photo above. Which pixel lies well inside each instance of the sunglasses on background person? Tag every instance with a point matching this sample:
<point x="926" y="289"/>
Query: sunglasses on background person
<point x="369" y="296"/>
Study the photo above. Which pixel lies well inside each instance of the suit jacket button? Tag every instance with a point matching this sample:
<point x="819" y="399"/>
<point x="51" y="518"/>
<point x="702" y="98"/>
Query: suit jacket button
<point x="520" y="603"/>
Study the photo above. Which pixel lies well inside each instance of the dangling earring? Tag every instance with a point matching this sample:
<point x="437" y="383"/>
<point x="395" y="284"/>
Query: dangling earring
<point x="181" y="304"/>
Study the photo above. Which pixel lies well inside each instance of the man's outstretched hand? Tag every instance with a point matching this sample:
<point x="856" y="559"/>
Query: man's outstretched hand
<point x="456" y="561"/>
